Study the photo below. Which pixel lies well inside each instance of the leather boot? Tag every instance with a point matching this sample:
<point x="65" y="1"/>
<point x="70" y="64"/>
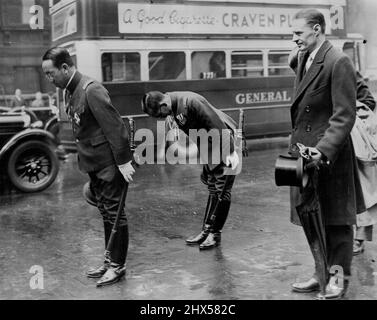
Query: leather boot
<point x="99" y="271"/>
<point x="211" y="204"/>
<point x="200" y="237"/>
<point x="213" y="240"/>
<point x="118" y="256"/>
<point x="219" y="217"/>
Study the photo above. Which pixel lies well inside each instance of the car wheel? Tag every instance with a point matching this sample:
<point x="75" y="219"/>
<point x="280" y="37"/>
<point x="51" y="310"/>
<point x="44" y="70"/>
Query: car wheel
<point x="33" y="166"/>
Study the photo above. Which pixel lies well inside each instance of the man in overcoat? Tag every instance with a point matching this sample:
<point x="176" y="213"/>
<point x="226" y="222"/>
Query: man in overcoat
<point x="103" y="151"/>
<point x="323" y="113"/>
<point x="192" y="111"/>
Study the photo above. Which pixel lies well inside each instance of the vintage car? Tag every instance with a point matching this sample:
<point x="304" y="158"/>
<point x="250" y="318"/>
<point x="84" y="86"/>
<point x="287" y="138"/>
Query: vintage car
<point x="27" y="151"/>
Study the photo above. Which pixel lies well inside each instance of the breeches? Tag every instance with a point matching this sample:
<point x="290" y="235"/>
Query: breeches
<point x="215" y="181"/>
<point x="108" y="184"/>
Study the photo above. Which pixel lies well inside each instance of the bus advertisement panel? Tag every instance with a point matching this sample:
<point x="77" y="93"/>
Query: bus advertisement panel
<point x="204" y="19"/>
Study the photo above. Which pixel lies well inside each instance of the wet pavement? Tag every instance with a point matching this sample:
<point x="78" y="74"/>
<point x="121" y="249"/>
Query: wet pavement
<point x="261" y="253"/>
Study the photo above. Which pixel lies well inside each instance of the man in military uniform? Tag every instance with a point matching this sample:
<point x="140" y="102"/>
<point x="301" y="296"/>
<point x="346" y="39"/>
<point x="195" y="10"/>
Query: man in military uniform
<point x="192" y="111"/>
<point x="103" y="151"/>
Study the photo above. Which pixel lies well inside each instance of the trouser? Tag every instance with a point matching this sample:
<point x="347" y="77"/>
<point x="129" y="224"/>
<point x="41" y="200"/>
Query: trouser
<point x="108" y="185"/>
<point x="215" y="181"/>
<point x="339" y="245"/>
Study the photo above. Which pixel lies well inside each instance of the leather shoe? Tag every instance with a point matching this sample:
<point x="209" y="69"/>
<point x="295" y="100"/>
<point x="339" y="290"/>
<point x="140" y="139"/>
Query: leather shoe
<point x="213" y="240"/>
<point x="333" y="292"/>
<point x="112" y="275"/>
<point x="308" y="286"/>
<point x="98" y="272"/>
<point x="198" y="239"/>
<point x="358" y="247"/>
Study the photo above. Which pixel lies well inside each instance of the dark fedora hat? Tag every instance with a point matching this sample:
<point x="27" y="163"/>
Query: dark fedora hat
<point x="289" y="171"/>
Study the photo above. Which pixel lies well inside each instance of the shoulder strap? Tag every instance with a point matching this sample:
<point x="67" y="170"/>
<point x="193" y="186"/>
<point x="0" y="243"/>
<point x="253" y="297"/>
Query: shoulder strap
<point x="87" y="83"/>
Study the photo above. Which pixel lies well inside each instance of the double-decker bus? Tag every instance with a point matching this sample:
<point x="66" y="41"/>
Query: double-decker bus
<point x="234" y="53"/>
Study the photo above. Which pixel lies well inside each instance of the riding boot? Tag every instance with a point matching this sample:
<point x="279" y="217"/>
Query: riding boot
<point x="219" y="217"/>
<point x="98" y="272"/>
<point x="211" y="204"/>
<point x="118" y="255"/>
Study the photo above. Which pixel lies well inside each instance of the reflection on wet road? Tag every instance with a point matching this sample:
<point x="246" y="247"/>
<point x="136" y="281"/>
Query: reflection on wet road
<point x="260" y="256"/>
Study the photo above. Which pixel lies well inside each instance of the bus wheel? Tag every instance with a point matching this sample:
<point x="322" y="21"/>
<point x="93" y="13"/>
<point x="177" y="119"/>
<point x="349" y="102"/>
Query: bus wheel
<point x="33" y="166"/>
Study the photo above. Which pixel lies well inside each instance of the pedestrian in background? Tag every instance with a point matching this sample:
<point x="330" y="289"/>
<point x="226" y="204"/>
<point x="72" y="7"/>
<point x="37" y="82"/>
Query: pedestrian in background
<point x="103" y="152"/>
<point x="17" y="100"/>
<point x="38" y="101"/>
<point x="364" y="138"/>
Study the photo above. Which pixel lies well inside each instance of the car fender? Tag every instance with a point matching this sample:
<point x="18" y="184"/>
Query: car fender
<point x="27" y="134"/>
<point x="50" y="122"/>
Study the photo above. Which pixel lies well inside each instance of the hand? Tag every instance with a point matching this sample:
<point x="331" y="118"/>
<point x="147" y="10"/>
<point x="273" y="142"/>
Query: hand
<point x="314" y="153"/>
<point x="232" y="160"/>
<point x="315" y="160"/>
<point x="127" y="170"/>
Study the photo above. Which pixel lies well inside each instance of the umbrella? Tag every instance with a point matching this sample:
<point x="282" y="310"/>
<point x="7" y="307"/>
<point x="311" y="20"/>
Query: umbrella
<point x="310" y="215"/>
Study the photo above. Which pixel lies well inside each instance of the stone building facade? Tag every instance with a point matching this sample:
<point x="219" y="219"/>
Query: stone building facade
<point x="21" y="47"/>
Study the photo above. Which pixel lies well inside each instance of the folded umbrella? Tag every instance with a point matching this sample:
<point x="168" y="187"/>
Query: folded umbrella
<point x="310" y="215"/>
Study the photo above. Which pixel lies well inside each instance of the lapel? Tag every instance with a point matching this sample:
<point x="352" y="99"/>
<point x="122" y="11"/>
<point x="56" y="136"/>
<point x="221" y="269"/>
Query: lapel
<point x="313" y="71"/>
<point x="302" y="58"/>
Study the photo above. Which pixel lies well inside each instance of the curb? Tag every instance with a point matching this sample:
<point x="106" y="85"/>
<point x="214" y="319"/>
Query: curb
<point x="267" y="143"/>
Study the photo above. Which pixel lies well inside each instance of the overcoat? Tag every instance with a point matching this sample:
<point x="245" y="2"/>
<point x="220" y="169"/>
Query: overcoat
<point x="193" y="111"/>
<point x="323" y="114"/>
<point x="100" y="134"/>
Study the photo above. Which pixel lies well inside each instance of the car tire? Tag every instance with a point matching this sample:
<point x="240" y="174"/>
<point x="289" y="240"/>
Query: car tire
<point x="32" y="166"/>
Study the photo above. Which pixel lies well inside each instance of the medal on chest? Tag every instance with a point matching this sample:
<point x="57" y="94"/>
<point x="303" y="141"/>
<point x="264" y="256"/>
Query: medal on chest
<point x="76" y="118"/>
<point x="181" y="119"/>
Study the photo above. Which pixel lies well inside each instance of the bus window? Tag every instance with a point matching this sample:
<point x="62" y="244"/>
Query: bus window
<point x="278" y="63"/>
<point x="208" y="64"/>
<point x="167" y="66"/>
<point x="121" y="66"/>
<point x="247" y="64"/>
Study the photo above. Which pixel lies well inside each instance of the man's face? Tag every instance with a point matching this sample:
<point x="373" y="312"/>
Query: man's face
<point x="55" y="75"/>
<point x="303" y="35"/>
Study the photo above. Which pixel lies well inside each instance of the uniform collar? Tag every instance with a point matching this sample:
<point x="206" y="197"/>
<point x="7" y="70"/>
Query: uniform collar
<point x="73" y="81"/>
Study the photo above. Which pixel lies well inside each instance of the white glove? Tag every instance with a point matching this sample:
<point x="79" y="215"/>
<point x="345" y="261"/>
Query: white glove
<point x="232" y="160"/>
<point x="127" y="170"/>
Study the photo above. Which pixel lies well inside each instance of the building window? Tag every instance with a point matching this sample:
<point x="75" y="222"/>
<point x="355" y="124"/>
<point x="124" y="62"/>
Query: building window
<point x="167" y="66"/>
<point x="121" y="66"/>
<point x="208" y="64"/>
<point x="278" y="63"/>
<point x="27" y="78"/>
<point x="17" y="12"/>
<point x="247" y="64"/>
